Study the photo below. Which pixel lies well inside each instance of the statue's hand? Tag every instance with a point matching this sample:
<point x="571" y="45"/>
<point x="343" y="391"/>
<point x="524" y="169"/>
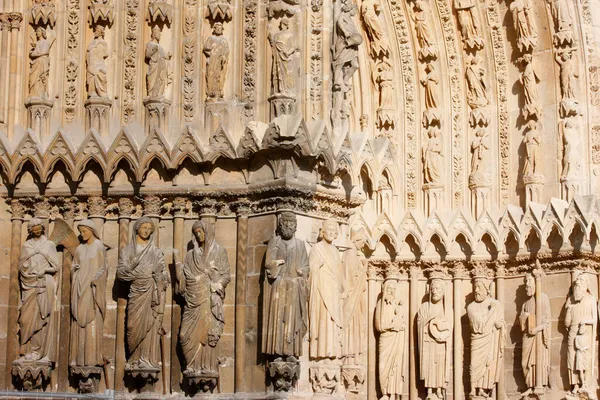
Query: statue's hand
<point x="76" y="267"/>
<point x="498" y="324"/>
<point x="216" y="287"/>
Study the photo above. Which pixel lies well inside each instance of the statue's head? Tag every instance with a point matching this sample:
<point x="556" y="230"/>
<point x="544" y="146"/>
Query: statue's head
<point x="358" y="237"/>
<point x="287" y="225"/>
<point x="144" y="228"/>
<point x="99" y="31"/>
<point x="349" y="7"/>
<point x="218" y="29"/>
<point x="529" y="285"/>
<point x="580" y="286"/>
<point x="479" y="132"/>
<point x="389" y="291"/>
<point x="199" y="231"/>
<point x="35" y="227"/>
<point x="482" y="289"/>
<point x="40" y="33"/>
<point x="87" y="230"/>
<point x="284" y="25"/>
<point x="437" y="290"/>
<point x="156" y="33"/>
<point x="329" y="231"/>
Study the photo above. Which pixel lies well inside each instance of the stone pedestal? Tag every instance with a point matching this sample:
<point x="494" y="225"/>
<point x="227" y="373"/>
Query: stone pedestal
<point x="325" y="377"/>
<point x="282" y="104"/>
<point x="157" y="113"/>
<point x="38" y="115"/>
<point x="568" y="188"/>
<point x="143" y="378"/>
<point x="434" y="197"/>
<point x="31" y="374"/>
<point x="101" y="13"/>
<point x="87" y="377"/>
<point x="203" y="381"/>
<point x="569" y="108"/>
<point x="480" y="185"/>
<point x="97" y="114"/>
<point x="534" y="187"/>
<point x="479" y="117"/>
<point x="353" y="377"/>
<point x="216" y="113"/>
<point x="284" y="374"/>
<point x="431" y="117"/>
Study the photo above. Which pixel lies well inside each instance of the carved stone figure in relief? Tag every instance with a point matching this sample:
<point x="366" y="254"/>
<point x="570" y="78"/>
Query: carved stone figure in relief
<point x="158" y="76"/>
<point x="285" y="304"/>
<point x="570" y="143"/>
<point x="529" y="80"/>
<point x="479" y="149"/>
<point x="477" y="95"/>
<point x="202" y="280"/>
<point x="142" y="263"/>
<point x="216" y="50"/>
<point x="561" y="14"/>
<point x="346" y="40"/>
<point x="488" y="336"/>
<point x="431" y="85"/>
<point x="581" y="319"/>
<point x="468" y="23"/>
<point x="284" y="49"/>
<point x="392" y="324"/>
<point x="532" y="143"/>
<point x="88" y="298"/>
<point x="535" y="325"/>
<point x="432" y="157"/>
<point x="326" y="296"/>
<point x="354" y="336"/>
<point x="423" y="30"/>
<point x="379" y="45"/>
<point x="384" y="78"/>
<point x="97" y="53"/>
<point x="524" y="23"/>
<point x="568" y="74"/>
<point x="38" y="264"/>
<point x="434" y="322"/>
<point x="40" y="64"/>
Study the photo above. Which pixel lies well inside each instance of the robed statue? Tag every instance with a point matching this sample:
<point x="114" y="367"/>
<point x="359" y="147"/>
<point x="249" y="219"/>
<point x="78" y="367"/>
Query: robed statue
<point x="40" y="64"/>
<point x="283" y="71"/>
<point x="142" y="264"/>
<point x="391" y="322"/>
<point x="216" y="51"/>
<point x="434" y="322"/>
<point x="158" y="76"/>
<point x="97" y="53"/>
<point x="285" y="304"/>
<point x="38" y="265"/>
<point x="202" y="280"/>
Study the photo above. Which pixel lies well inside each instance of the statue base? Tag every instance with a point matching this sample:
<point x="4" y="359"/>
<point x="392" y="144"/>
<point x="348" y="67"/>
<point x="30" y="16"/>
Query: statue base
<point x="144" y="378"/>
<point x="325" y="377"/>
<point x="434" y="197"/>
<point x="581" y="395"/>
<point x="568" y="188"/>
<point x="88" y="377"/>
<point x="353" y="377"/>
<point x="216" y="114"/>
<point x="282" y="104"/>
<point x="431" y="117"/>
<point x="284" y="374"/>
<point x="569" y="108"/>
<point x="31" y="374"/>
<point x="563" y="38"/>
<point x="534" y="186"/>
<point x="203" y="381"/>
<point x="97" y="114"/>
<point x="479" y="117"/>
<point x="157" y="112"/>
<point x="38" y="115"/>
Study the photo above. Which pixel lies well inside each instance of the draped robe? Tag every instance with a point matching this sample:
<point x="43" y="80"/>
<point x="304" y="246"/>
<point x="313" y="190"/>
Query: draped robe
<point x="581" y="343"/>
<point x="325" y="305"/>
<point x="282" y="72"/>
<point x="158" y="69"/>
<point x="38" y="297"/>
<point x="144" y="266"/>
<point x="391" y="347"/>
<point x="434" y="344"/>
<point x="40" y="68"/>
<point x="216" y="50"/>
<point x="96" y="77"/>
<point x="487" y="342"/>
<point x="285" y="317"/>
<point x="355" y="307"/>
<point x="531" y="342"/>
<point x="202" y="320"/>
<point x="88" y="304"/>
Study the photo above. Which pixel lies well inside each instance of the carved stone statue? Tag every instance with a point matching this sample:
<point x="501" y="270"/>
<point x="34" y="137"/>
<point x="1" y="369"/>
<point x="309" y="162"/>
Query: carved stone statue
<point x="488" y="335"/>
<point x="479" y="147"/>
<point x="97" y="53"/>
<point x="532" y="143"/>
<point x="385" y="81"/>
<point x="468" y="23"/>
<point x="285" y="302"/>
<point x="354" y="338"/>
<point x="529" y="80"/>
<point x="432" y="157"/>
<point x="581" y="319"/>
<point x="569" y="137"/>
<point x="40" y="64"/>
<point x="88" y="306"/>
<point x="434" y="322"/>
<point x="535" y="325"/>
<point x="38" y="264"/>
<point x="391" y="322"/>
<point x="431" y="85"/>
<point x="216" y="51"/>
<point x="379" y="45"/>
<point x="142" y="263"/>
<point x="346" y="40"/>
<point x="423" y="30"/>
<point x="326" y="296"/>
<point x="158" y="76"/>
<point x="563" y="20"/>
<point x="568" y="74"/>
<point x="524" y="23"/>
<point x="284" y="48"/>
<point x="202" y="280"/>
<point x="477" y="95"/>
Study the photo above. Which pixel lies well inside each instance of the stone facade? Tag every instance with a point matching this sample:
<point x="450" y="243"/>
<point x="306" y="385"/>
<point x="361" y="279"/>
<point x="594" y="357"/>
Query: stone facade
<point x="410" y="186"/>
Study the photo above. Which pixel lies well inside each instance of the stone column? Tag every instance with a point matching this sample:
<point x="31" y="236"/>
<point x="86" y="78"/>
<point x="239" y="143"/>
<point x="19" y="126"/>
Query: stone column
<point x="126" y="209"/>
<point x="15" y="25"/>
<point x="415" y="273"/>
<point x="4" y="34"/>
<point x="240" y="300"/>
<point x="500" y="274"/>
<point x="373" y="291"/>
<point x="179" y="209"/>
<point x="459" y="275"/>
<point x="97" y="114"/>
<point x="97" y="212"/>
<point x="12" y="340"/>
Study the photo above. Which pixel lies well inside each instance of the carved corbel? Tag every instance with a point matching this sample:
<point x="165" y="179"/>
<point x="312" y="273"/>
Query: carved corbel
<point x="101" y="12"/>
<point x="43" y="13"/>
<point x="219" y="11"/>
<point x="159" y="12"/>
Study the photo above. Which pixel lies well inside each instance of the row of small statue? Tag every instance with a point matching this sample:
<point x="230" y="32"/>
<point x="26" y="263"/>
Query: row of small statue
<point x="320" y="293"/>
